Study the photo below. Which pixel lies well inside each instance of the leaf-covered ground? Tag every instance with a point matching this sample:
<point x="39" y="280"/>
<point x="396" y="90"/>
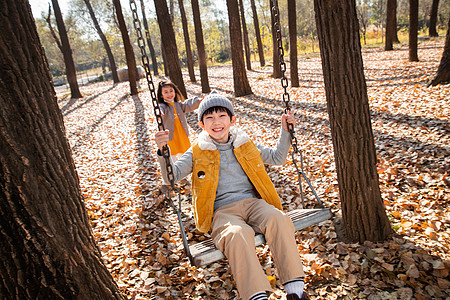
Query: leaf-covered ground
<point x="111" y="134"/>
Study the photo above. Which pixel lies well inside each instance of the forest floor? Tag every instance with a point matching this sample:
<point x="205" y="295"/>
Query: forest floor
<point x="111" y="135"/>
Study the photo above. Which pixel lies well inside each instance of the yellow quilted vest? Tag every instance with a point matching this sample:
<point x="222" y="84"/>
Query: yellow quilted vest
<point x="205" y="177"/>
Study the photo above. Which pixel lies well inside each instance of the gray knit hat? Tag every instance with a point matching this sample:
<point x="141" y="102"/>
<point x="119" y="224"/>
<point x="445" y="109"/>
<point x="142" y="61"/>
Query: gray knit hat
<point x="214" y="99"/>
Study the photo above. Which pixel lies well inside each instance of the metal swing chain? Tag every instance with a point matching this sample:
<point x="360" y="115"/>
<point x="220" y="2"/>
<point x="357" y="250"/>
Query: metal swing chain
<point x="157" y="111"/>
<point x="286" y="99"/>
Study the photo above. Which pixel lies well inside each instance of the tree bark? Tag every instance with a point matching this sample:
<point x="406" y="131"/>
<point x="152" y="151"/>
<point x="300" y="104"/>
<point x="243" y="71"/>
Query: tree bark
<point x="443" y="72"/>
<point x="67" y="53"/>
<point x="391" y="26"/>
<point x="149" y="41"/>
<point x="413" y="28"/>
<point x="200" y="47"/>
<point x="112" y="62"/>
<point x="240" y="80"/>
<point x="433" y="19"/>
<point x="364" y="215"/>
<point x="129" y="53"/>
<point x="292" y="17"/>
<point x="47" y="249"/>
<point x="275" y="50"/>
<point x="245" y="36"/>
<point x="187" y="42"/>
<point x="258" y="34"/>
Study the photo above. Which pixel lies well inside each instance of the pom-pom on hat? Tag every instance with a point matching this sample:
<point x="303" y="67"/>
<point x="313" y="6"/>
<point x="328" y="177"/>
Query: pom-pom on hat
<point x="214" y="99"/>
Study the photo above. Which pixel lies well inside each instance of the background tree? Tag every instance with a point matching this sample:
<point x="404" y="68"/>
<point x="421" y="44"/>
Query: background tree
<point x="258" y="34"/>
<point x="200" y="47"/>
<point x="293" y="43"/>
<point x="187" y="42"/>
<point x="47" y="250"/>
<point x="67" y="53"/>
<point x="443" y="73"/>
<point x="433" y="19"/>
<point x="112" y="62"/>
<point x="240" y="80"/>
<point x="363" y="212"/>
<point x="149" y="40"/>
<point x="391" y="24"/>
<point x="245" y="36"/>
<point x="413" y="28"/>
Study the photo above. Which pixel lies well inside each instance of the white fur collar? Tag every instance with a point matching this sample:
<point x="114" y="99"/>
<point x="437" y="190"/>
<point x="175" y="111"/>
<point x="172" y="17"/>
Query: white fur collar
<point x="205" y="142"/>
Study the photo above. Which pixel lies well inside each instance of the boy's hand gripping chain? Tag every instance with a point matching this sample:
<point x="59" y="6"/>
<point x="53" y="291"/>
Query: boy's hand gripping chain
<point x="286" y="99"/>
<point x="165" y="150"/>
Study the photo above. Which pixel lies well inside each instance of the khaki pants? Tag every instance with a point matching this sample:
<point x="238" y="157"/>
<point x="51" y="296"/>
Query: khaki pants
<point x="233" y="232"/>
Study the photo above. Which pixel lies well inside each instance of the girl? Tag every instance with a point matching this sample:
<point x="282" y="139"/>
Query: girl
<point x="173" y="110"/>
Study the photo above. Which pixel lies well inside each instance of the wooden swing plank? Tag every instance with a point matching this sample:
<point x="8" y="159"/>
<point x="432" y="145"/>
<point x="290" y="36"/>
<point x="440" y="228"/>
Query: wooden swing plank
<point x="205" y="252"/>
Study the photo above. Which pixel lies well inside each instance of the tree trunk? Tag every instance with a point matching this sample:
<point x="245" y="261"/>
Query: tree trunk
<point x="200" y="47"/>
<point x="413" y="28"/>
<point x="47" y="249"/>
<point x="443" y="72"/>
<point x="149" y="41"/>
<point x="170" y="45"/>
<point x="275" y="50"/>
<point x="67" y="52"/>
<point x="129" y="54"/>
<point x="391" y="26"/>
<point x="364" y="215"/>
<point x="240" y="80"/>
<point x="245" y="36"/>
<point x="433" y="19"/>
<point x="258" y="34"/>
<point x="187" y="42"/>
<point x="112" y="62"/>
<point x="292" y="17"/>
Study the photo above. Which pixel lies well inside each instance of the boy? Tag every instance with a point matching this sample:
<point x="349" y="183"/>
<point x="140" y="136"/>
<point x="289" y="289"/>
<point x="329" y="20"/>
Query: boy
<point x="233" y="197"/>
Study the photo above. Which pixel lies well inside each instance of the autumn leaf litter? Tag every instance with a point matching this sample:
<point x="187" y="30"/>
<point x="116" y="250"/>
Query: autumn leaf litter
<point x="111" y="135"/>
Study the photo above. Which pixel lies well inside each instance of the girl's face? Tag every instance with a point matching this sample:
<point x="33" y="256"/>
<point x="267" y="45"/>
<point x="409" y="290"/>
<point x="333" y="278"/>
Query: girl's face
<point x="168" y="93"/>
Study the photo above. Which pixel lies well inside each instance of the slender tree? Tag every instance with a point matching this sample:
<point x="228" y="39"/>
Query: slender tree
<point x="292" y="18"/>
<point x="112" y="62"/>
<point x="170" y="45"/>
<point x="241" y="84"/>
<point x="200" y="47"/>
<point x="129" y="54"/>
<point x="149" y="40"/>
<point x="391" y="24"/>
<point x="275" y="50"/>
<point x="364" y="215"/>
<point x="245" y="36"/>
<point x="258" y="34"/>
<point x="47" y="248"/>
<point x="67" y="52"/>
<point x="413" y="28"/>
<point x="187" y="42"/>
<point x="443" y="73"/>
<point x="432" y="32"/>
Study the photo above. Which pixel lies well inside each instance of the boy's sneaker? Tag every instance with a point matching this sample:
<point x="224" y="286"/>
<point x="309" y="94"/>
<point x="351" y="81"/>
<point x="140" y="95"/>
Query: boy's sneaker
<point x="296" y="297"/>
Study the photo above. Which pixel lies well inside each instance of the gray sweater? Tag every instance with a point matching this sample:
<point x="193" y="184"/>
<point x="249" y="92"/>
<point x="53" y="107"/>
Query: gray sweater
<point x="234" y="185"/>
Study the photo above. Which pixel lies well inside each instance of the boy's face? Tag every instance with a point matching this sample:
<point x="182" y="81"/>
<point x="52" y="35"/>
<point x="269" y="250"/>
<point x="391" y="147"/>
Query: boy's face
<point x="217" y="125"/>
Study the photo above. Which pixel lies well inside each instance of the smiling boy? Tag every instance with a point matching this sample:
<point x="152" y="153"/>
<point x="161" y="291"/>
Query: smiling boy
<point x="233" y="197"/>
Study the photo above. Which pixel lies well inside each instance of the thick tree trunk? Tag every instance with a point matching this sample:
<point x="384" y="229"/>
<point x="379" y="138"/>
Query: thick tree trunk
<point x="149" y="41"/>
<point x="391" y="26"/>
<point x="292" y="17"/>
<point x="443" y="72"/>
<point x="47" y="250"/>
<point x="258" y="34"/>
<point x="364" y="215"/>
<point x="129" y="53"/>
<point x="170" y="45"/>
<point x="67" y="52"/>
<point x="245" y="36"/>
<point x="187" y="42"/>
<point x="433" y="19"/>
<point x="241" y="84"/>
<point x="413" y="28"/>
<point x="275" y="50"/>
<point x="200" y="47"/>
<point x="112" y="62"/>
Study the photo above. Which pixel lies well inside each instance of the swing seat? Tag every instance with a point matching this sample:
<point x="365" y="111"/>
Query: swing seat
<point x="205" y="252"/>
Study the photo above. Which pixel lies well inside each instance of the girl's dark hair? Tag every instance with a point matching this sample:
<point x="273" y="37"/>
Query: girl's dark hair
<point x="216" y="109"/>
<point x="163" y="83"/>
